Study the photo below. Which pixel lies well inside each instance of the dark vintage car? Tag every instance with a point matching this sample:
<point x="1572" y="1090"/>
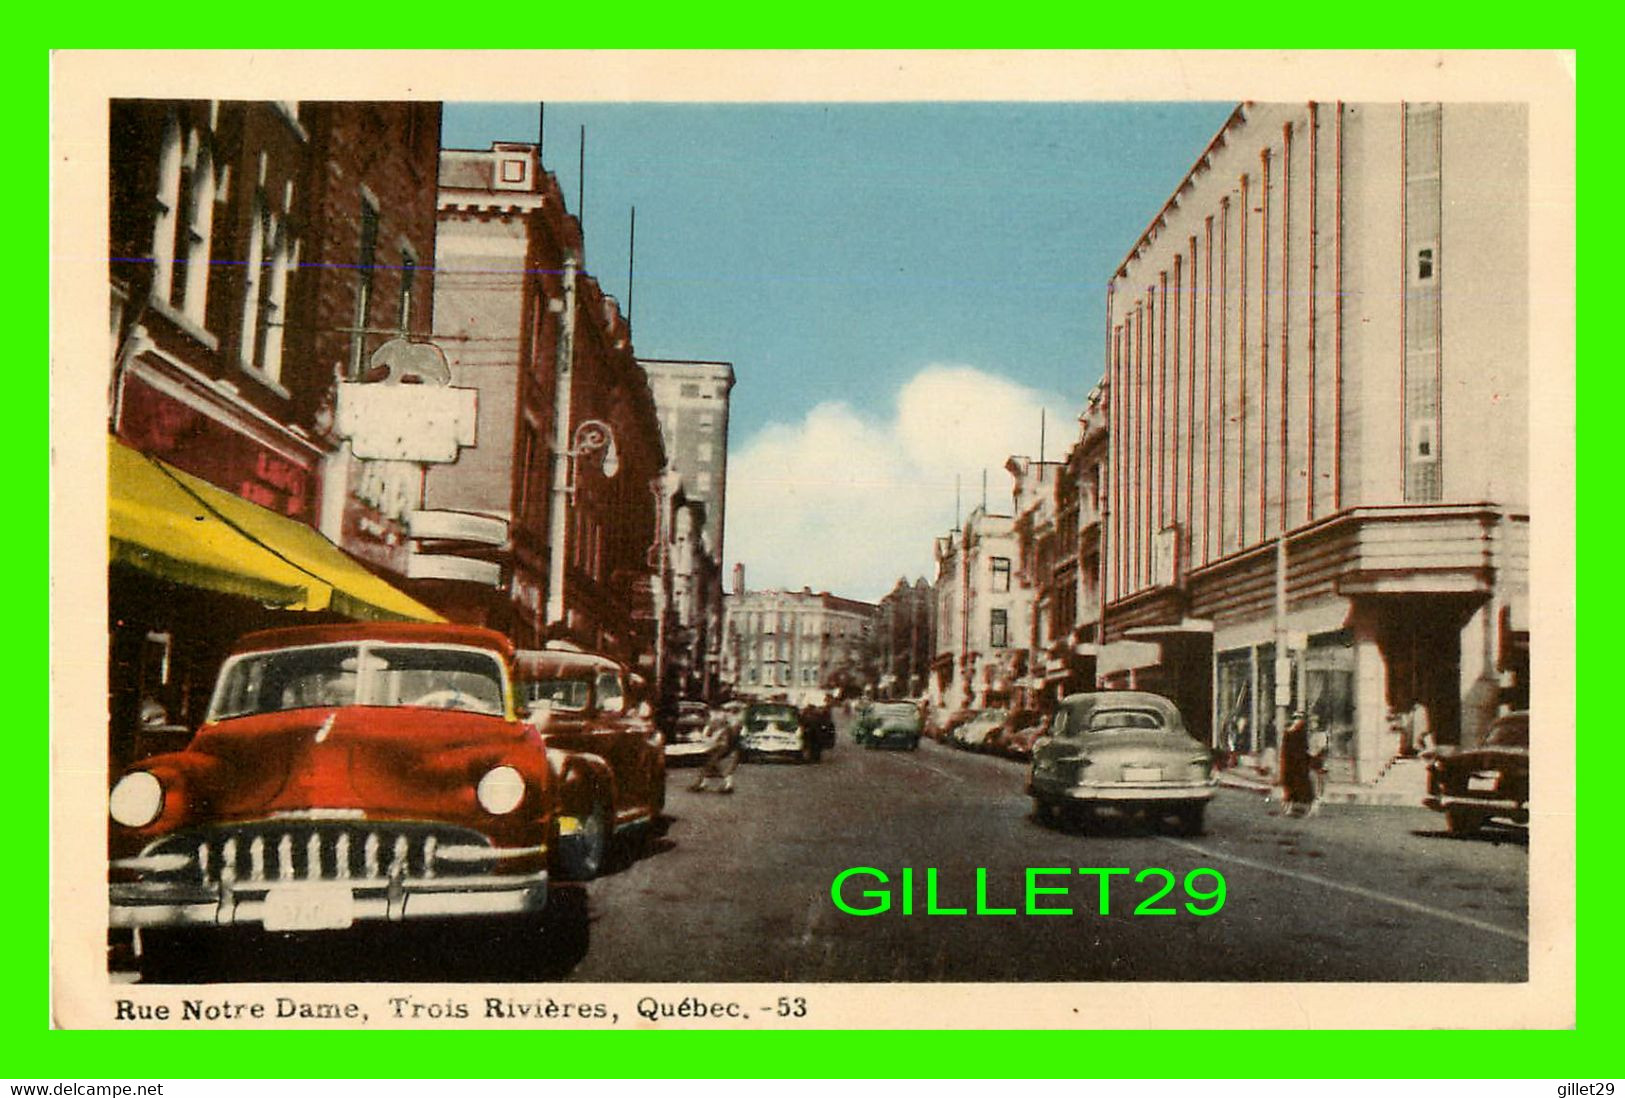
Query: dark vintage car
<point x="1490" y="781"/>
<point x="610" y="758"/>
<point x="343" y="773"/>
<point x="972" y="734"/>
<point x="689" y="738"/>
<point x="1121" y="750"/>
<point x="892" y="724"/>
<point x="773" y="730"/>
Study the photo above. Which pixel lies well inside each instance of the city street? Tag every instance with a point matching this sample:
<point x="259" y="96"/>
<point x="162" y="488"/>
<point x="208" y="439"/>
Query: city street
<point x="738" y="889"/>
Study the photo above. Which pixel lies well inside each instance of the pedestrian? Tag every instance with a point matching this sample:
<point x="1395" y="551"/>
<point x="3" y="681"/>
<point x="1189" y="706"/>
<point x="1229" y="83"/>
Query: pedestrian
<point x="1320" y="746"/>
<point x="1297" y="787"/>
<point x="722" y="760"/>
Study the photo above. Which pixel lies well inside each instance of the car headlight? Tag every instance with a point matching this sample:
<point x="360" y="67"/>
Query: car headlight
<point x="136" y="800"/>
<point x="501" y="790"/>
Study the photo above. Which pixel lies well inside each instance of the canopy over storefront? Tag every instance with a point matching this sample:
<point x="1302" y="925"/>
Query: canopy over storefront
<point x="184" y="529"/>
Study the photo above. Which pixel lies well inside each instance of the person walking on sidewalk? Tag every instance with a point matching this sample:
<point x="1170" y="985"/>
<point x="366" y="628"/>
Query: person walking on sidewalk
<point x="1297" y="783"/>
<point x="723" y="759"/>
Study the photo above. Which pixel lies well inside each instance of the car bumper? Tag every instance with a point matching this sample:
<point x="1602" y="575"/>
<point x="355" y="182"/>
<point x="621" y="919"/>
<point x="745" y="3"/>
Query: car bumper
<point x="323" y="905"/>
<point x="1492" y="806"/>
<point x="1126" y="793"/>
<point x="692" y="751"/>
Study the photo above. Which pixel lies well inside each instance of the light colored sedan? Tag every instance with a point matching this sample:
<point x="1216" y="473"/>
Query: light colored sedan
<point x="1121" y="750"/>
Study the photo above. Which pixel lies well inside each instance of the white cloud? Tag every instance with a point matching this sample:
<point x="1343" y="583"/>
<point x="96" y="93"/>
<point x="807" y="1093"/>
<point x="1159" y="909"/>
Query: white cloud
<point x="848" y="502"/>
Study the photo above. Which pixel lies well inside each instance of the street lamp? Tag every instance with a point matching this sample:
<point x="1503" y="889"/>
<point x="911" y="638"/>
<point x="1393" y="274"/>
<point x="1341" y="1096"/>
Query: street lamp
<point x="591" y="435"/>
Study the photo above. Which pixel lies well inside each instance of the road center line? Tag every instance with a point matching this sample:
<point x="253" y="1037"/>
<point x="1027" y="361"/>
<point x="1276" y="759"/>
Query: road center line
<point x="1356" y="890"/>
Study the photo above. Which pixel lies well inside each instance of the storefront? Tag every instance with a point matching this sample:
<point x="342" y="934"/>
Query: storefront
<point x="191" y="567"/>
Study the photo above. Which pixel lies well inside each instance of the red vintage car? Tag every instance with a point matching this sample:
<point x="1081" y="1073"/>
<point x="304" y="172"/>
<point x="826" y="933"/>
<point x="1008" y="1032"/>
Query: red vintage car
<point x="344" y="773"/>
<point x="610" y="757"/>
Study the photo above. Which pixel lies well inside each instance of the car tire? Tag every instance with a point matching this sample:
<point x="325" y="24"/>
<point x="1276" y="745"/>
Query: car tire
<point x="1046" y="812"/>
<point x="1458" y="821"/>
<point x="582" y="855"/>
<point x="1190" y="818"/>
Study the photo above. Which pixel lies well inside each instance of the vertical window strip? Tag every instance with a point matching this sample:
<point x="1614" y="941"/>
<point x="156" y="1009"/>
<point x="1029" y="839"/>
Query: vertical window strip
<point x="1314" y="259"/>
<point x="1190" y="413"/>
<point x="1286" y="316"/>
<point x="1207" y="388"/>
<point x="166" y="206"/>
<point x="1263" y="343"/>
<point x="1159" y="445"/>
<point x="1241" y="373"/>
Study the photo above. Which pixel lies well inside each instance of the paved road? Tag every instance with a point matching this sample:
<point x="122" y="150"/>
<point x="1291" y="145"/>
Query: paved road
<point x="740" y="887"/>
<point x="738" y="890"/>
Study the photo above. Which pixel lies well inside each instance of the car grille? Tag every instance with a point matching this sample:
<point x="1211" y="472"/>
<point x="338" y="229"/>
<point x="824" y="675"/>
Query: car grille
<point x="277" y="850"/>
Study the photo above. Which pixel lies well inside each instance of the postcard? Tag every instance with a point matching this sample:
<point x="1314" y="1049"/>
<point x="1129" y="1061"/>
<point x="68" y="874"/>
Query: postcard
<point x="813" y="540"/>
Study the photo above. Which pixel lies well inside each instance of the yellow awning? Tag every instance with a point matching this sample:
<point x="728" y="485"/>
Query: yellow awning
<point x="183" y="528"/>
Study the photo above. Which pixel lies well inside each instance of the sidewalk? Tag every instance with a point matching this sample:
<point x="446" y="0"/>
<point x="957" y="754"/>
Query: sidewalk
<point x="1261" y="782"/>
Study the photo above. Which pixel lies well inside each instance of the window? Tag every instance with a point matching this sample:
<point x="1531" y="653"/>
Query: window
<point x="183" y="225"/>
<point x="689" y="389"/>
<point x="703" y="451"/>
<point x="409" y="270"/>
<point x="366" y="260"/>
<point x="999" y="633"/>
<point x="1001" y="573"/>
<point x="271" y="252"/>
<point x="1424" y="264"/>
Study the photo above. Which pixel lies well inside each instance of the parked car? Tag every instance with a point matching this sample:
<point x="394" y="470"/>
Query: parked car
<point x="1490" y="781"/>
<point x="688" y="739"/>
<point x="1019" y="743"/>
<point x="944" y="722"/>
<point x="819" y="725"/>
<point x="973" y="733"/>
<point x="773" y="729"/>
<point x="1000" y="740"/>
<point x="1122" y="750"/>
<point x="893" y="724"/>
<point x="343" y="773"/>
<point x="612" y="771"/>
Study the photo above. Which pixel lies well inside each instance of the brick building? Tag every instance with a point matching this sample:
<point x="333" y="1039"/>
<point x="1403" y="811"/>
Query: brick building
<point x="227" y="224"/>
<point x="805" y="646"/>
<point x="548" y="524"/>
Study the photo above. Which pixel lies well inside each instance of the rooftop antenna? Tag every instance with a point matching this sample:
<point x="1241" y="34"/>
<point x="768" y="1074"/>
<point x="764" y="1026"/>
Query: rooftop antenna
<point x="957" y="520"/>
<point x="541" y="127"/>
<point x="984" y="489"/>
<point x="631" y="259"/>
<point x="581" y="184"/>
<point x="1041" y="414"/>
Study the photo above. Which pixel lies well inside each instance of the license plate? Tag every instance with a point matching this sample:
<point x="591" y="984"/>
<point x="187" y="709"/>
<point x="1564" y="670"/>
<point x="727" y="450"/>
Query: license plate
<point x="323" y="908"/>
<point x="1482" y="783"/>
<point x="1142" y="773"/>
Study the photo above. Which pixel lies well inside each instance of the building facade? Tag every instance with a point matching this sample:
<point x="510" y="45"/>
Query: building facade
<point x="982" y="615"/>
<point x="692" y="398"/>
<point x="904" y="638"/>
<point x="237" y="280"/>
<point x="546" y="529"/>
<point x="1317" y="484"/>
<point x="805" y="646"/>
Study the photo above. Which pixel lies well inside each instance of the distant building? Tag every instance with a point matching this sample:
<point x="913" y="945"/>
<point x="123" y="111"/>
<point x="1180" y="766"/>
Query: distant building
<point x="1320" y="348"/>
<point x="981" y="615"/>
<point x="1058" y="551"/>
<point x="691" y="399"/>
<point x="904" y="635"/>
<point x="806" y="646"/>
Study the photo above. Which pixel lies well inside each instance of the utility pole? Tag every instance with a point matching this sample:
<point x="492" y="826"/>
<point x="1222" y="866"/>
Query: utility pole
<point x="559" y="516"/>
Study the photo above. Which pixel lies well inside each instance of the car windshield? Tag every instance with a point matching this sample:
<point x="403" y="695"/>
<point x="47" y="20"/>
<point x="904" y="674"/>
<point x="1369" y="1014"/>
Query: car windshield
<point x="1509" y="732"/>
<point x="570" y="695"/>
<point x="364" y="674"/>
<point x="770" y="714"/>
<point x="1120" y="720"/>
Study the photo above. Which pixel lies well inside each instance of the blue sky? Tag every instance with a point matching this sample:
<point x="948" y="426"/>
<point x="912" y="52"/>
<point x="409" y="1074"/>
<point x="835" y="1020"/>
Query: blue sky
<point x="862" y="264"/>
